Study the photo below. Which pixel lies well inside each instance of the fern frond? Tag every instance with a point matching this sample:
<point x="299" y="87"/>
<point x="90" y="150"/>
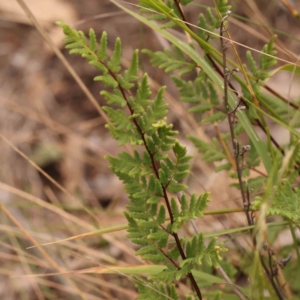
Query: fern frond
<point x="252" y="64"/>
<point x="196" y="252"/>
<point x="114" y="64"/>
<point x="283" y="201"/>
<point x="171" y="60"/>
<point x="256" y="183"/>
<point x="148" y="176"/>
<point x="216" y="117"/>
<point x="295" y="157"/>
<point x="201" y="92"/>
<point x="265" y="61"/>
<point x="223" y="7"/>
<point x="155" y="291"/>
<point x="101" y="53"/>
<point x="211" y="152"/>
<point x="131" y="74"/>
<point x="203" y="24"/>
<point x="190" y="209"/>
<point x="93" y="40"/>
<point x="149" y="7"/>
<point x="213" y="21"/>
<point x="115" y="98"/>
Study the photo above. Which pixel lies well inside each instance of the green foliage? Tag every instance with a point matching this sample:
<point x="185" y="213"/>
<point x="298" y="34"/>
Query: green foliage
<point x="190" y="209"/>
<point x="213" y="21"/>
<point x="149" y="7"/>
<point x="265" y="61"/>
<point x="253" y="158"/>
<point x="205" y="27"/>
<point x="211" y="152"/>
<point x="218" y="296"/>
<point x="255" y="183"/>
<point x="171" y="8"/>
<point x="155" y="291"/>
<point x="171" y="60"/>
<point x="196" y="252"/>
<point x="202" y="93"/>
<point x="284" y="201"/>
<point x="293" y="167"/>
<point x="153" y="172"/>
<point x="223" y="7"/>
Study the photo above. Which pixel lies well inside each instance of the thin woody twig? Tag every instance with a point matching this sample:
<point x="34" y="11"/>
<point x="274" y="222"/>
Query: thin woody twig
<point x="235" y="144"/>
<point x="230" y="114"/>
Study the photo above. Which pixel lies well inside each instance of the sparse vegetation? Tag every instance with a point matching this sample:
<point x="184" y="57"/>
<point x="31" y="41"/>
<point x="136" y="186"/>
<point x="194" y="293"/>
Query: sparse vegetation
<point x="225" y="90"/>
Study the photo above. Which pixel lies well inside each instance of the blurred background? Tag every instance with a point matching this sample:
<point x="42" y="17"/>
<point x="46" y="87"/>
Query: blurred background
<point x="48" y="125"/>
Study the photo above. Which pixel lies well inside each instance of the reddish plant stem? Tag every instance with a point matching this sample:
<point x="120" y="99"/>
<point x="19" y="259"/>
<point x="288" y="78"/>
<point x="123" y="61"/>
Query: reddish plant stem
<point x="167" y="201"/>
<point x="272" y="139"/>
<point x="292" y="104"/>
<point x="170" y="259"/>
<point x="181" y="12"/>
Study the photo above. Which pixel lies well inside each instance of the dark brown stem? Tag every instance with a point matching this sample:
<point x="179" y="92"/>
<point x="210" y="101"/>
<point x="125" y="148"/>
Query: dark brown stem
<point x="245" y="197"/>
<point x="170" y="259"/>
<point x="231" y="125"/>
<point x="272" y="139"/>
<point x="227" y="84"/>
<point x="281" y="97"/>
<point x="271" y="278"/>
<point x="297" y="163"/>
<point x="233" y="89"/>
<point x="167" y="201"/>
<point x="181" y="12"/>
<point x="142" y="134"/>
<point x="256" y="170"/>
<point x="166" y="230"/>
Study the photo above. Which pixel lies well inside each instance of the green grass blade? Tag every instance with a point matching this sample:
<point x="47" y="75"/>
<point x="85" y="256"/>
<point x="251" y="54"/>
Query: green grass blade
<point x="259" y="145"/>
